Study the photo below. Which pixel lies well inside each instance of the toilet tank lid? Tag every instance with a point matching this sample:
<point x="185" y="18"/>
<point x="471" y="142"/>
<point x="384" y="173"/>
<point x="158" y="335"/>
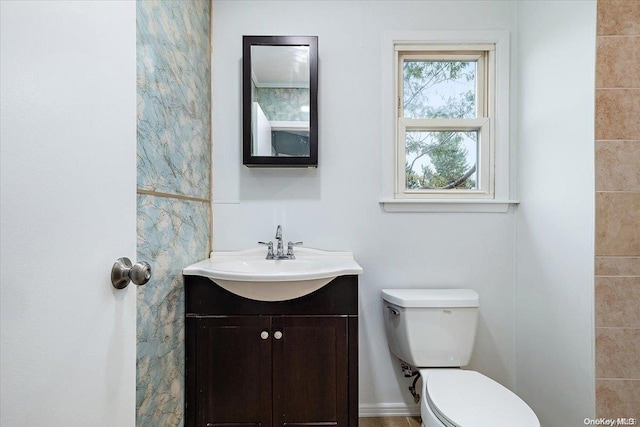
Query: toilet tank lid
<point x="424" y="298"/>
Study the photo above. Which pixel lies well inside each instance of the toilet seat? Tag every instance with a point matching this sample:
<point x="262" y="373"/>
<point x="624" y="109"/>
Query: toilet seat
<point x="461" y="398"/>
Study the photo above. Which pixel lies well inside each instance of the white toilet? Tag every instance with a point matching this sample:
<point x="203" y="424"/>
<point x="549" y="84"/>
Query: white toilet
<point x="433" y="330"/>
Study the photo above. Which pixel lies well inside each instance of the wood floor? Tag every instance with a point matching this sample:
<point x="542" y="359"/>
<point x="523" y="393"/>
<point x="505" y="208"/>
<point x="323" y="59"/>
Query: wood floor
<point x="390" y="422"/>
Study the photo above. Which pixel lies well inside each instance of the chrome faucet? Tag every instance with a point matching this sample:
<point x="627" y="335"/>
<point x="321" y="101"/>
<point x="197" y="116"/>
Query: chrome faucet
<point x="280" y="248"/>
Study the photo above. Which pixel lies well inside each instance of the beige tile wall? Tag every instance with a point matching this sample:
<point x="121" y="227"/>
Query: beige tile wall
<point x="617" y="185"/>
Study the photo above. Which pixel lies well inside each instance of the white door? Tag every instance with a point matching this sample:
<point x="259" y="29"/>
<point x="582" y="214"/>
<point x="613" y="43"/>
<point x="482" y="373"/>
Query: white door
<point x="68" y="200"/>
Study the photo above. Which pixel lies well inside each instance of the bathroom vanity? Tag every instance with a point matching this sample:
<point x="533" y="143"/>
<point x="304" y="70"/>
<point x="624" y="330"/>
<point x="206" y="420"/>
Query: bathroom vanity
<point x="271" y="363"/>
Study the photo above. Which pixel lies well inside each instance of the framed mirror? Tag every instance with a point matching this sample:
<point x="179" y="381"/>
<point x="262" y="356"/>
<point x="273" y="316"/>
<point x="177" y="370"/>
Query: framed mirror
<point x="280" y="101"/>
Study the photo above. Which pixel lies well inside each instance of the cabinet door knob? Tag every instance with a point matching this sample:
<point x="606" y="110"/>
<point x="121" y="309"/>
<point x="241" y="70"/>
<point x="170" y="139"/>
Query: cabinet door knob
<point x="264" y="335"/>
<point x="277" y="335"/>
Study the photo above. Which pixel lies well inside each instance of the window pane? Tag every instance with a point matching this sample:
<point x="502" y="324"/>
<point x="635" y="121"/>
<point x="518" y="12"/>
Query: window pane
<point x="439" y="89"/>
<point x="441" y="160"/>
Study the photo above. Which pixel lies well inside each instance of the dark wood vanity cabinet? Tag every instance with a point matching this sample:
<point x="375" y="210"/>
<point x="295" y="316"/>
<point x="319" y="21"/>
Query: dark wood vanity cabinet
<point x="253" y="363"/>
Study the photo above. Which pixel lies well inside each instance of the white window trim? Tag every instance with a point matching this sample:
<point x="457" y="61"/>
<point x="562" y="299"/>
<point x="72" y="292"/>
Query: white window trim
<point x="503" y="188"/>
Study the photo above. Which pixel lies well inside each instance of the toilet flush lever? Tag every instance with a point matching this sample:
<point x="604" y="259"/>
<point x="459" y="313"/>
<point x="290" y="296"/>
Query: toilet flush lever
<point x="393" y="310"/>
<point x="124" y="272"/>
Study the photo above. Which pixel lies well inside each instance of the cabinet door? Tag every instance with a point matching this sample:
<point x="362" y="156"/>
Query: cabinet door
<point x="233" y="366"/>
<point x="310" y="371"/>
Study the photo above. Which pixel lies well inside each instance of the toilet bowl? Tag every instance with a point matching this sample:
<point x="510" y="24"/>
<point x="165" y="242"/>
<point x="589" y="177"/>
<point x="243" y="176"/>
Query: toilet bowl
<point x="433" y="330"/>
<point x="462" y="398"/>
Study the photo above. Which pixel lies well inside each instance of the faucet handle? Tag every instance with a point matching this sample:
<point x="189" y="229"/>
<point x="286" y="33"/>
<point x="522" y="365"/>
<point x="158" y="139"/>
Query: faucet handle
<point x="269" y="245"/>
<point x="290" y="246"/>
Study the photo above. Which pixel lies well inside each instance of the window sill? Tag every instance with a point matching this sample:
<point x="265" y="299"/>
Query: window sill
<point x="447" y="205"/>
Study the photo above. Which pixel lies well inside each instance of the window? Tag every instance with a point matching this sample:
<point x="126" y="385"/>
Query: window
<point x="445" y="109"/>
<point x="446" y="135"/>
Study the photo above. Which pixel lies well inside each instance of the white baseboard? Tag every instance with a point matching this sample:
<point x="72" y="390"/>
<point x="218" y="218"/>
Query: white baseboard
<point x="388" y="410"/>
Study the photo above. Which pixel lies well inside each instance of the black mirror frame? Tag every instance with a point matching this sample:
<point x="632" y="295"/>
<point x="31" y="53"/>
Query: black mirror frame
<point x="271" y="161"/>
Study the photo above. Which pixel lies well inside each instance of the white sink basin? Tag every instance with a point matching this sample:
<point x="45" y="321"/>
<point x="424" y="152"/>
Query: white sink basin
<point x="247" y="273"/>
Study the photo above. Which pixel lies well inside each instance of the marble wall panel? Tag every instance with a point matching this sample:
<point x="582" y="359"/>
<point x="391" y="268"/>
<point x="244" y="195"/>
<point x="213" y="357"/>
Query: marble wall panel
<point x="284" y="104"/>
<point x="174" y="93"/>
<point x="174" y="191"/>
<point x="172" y="234"/>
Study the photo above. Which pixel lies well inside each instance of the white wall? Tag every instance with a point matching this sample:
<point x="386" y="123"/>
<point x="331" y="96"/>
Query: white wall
<point x="336" y="206"/>
<point x="555" y="221"/>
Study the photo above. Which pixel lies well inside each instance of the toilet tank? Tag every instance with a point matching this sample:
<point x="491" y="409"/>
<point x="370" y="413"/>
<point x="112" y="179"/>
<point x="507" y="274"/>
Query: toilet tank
<point x="431" y="327"/>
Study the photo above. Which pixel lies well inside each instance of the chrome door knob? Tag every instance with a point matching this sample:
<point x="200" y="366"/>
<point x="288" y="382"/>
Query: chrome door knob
<point x="124" y="272"/>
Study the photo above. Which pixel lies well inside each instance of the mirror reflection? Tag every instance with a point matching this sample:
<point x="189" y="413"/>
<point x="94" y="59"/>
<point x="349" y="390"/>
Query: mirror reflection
<point x="280" y="86"/>
<point x="280" y="100"/>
